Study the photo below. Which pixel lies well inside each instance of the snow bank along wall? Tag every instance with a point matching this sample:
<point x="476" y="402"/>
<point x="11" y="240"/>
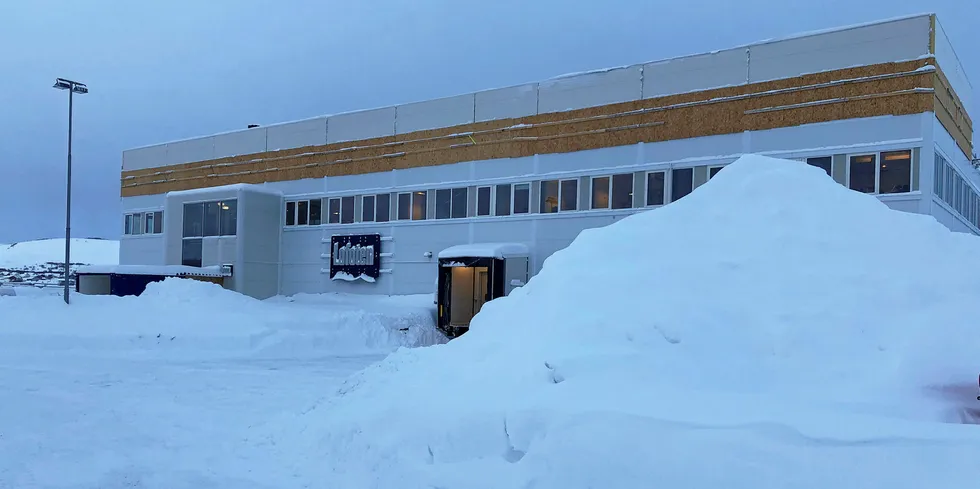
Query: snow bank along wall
<point x="882" y="107"/>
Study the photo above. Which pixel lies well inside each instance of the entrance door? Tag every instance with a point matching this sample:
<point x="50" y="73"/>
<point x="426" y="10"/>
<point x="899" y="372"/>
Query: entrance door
<point x="464" y="286"/>
<point x="481" y="288"/>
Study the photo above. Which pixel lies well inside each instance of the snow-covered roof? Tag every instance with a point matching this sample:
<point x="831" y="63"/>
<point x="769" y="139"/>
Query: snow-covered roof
<point x="247" y="187"/>
<point x="485" y="250"/>
<point x="165" y="270"/>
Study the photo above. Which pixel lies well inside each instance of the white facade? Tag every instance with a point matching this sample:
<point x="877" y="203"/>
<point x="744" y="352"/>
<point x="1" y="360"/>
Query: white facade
<point x="276" y="254"/>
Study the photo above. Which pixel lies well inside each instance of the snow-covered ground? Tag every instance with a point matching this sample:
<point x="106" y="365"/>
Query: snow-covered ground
<point x="160" y="391"/>
<point x="38" y="252"/>
<point x="773" y="329"/>
<point x="32" y="265"/>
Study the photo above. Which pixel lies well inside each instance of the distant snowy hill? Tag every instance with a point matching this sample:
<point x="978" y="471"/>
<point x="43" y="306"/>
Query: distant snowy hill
<point x="41" y="262"/>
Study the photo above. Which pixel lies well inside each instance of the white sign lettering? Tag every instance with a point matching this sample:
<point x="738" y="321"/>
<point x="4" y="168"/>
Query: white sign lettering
<point x="347" y="255"/>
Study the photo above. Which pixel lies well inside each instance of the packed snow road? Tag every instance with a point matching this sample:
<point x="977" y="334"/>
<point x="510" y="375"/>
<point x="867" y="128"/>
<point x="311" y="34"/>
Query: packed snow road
<point x="78" y="421"/>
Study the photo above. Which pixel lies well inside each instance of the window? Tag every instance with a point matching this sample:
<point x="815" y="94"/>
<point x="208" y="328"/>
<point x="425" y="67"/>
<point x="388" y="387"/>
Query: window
<point x="136" y="223"/>
<point x="522" y="198"/>
<point x="191" y="252"/>
<point x="460" y="201"/>
<point x="211" y="218"/>
<point x="656" y="187"/>
<point x="483" y="197"/>
<point x="681" y="183"/>
<point x="823" y="162"/>
<point x="619" y="196"/>
<point x="418" y="205"/>
<point x="341" y="210"/>
<point x="148" y="221"/>
<point x="228" y="218"/>
<point x="347" y="210"/>
<point x="404" y="206"/>
<point x="861" y="174"/>
<point x="333" y="210"/>
<point x="382" y="208"/>
<point x="451" y="203"/>
<point x="193" y="220"/>
<point x="713" y="170"/>
<point x="367" y="208"/>
<point x="316" y="212"/>
<point x="559" y="195"/>
<point x="895" y="172"/>
<point x="304" y="212"/>
<point x="503" y="194"/>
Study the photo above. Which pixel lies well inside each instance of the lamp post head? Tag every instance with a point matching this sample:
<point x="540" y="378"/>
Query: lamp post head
<point x="75" y="87"/>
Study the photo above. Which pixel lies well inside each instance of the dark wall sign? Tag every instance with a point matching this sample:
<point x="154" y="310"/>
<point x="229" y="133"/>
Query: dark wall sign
<point x="355" y="255"/>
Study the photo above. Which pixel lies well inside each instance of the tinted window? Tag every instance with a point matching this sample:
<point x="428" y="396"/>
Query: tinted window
<point x="569" y="195"/>
<point x="600" y="193"/>
<point x="522" y="198"/>
<point x="347" y="210"/>
<point x="158" y="222"/>
<point x="334" y="210"/>
<point x="622" y="191"/>
<point x="404" y="206"/>
<point x="193" y="220"/>
<point x="383" y="207"/>
<point x="316" y="212"/>
<point x="303" y="212"/>
<point x="444" y="203"/>
<point x="483" y="201"/>
<point x="460" y="202"/>
<point x="862" y="173"/>
<point x="290" y="213"/>
<point x="367" y="208"/>
<point x="825" y="163"/>
<point x="191" y="252"/>
<point x="549" y="196"/>
<point x="655" y="188"/>
<point x="229" y="217"/>
<point x="682" y="183"/>
<point x="896" y="172"/>
<point x="418" y="205"/>
<point x="503" y="200"/>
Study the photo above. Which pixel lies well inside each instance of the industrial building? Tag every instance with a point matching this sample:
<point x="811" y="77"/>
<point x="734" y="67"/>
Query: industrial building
<point x="468" y="195"/>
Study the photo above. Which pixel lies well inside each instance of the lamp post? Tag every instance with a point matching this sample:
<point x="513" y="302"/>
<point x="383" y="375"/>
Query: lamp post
<point x="73" y="87"/>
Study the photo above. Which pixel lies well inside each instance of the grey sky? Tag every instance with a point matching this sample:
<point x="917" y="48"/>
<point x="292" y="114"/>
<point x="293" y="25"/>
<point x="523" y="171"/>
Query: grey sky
<point x="184" y="68"/>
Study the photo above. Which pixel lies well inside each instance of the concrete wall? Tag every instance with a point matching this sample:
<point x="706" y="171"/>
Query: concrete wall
<point x="895" y="40"/>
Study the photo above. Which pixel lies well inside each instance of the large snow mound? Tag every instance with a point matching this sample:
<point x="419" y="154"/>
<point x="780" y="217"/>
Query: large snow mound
<point x="771" y="329"/>
<point x="83" y="250"/>
<point x="192" y="319"/>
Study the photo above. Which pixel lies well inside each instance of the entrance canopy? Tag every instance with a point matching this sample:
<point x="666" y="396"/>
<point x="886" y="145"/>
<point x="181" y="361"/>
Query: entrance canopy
<point x="498" y="251"/>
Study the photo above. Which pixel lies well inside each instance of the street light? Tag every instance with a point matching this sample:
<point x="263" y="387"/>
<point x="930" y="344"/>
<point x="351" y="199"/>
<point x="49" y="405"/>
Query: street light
<point x="73" y="87"/>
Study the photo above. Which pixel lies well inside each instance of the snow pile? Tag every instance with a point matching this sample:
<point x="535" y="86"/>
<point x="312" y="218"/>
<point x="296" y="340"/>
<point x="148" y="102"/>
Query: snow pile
<point x="771" y="329"/>
<point x="192" y="319"/>
<point x="83" y="250"/>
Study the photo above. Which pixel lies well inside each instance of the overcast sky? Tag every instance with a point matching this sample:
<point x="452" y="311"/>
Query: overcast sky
<point x="181" y="68"/>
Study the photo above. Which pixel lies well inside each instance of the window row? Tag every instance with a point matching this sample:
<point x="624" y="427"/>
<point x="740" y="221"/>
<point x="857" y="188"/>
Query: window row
<point x="137" y="223"/>
<point x="214" y="218"/>
<point x="884" y="173"/>
<point x="955" y="191"/>
<point x="560" y="195"/>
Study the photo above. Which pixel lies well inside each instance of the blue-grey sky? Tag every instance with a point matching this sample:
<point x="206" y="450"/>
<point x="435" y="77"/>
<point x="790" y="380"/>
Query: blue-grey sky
<point x="181" y="68"/>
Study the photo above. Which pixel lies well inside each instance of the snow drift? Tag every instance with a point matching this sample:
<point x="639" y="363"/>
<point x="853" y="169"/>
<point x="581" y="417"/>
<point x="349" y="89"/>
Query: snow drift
<point x="37" y="252"/>
<point x="771" y="329"/>
<point x="192" y="319"/>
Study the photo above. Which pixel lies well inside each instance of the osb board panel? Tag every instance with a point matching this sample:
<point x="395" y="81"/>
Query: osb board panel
<point x="566" y="131"/>
<point x="952" y="114"/>
<point x="932" y="34"/>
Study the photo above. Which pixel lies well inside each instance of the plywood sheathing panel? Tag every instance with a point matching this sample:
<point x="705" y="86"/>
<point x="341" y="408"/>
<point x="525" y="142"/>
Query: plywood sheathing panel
<point x="883" y="89"/>
<point x="952" y="114"/>
<point x="932" y="34"/>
